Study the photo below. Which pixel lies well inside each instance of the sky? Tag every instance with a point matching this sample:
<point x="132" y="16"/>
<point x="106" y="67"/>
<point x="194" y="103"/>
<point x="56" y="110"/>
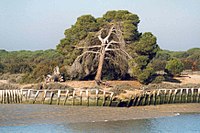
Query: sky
<point x="40" y="24"/>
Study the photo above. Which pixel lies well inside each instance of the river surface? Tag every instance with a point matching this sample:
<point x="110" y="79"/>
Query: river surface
<point x="38" y="119"/>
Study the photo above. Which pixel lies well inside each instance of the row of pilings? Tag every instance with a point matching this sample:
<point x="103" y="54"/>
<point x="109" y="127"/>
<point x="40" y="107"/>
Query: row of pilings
<point x="90" y="97"/>
<point x="96" y="97"/>
<point x="165" y="96"/>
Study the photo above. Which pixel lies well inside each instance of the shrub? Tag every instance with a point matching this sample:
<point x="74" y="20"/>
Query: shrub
<point x="158" y="79"/>
<point x="174" y="67"/>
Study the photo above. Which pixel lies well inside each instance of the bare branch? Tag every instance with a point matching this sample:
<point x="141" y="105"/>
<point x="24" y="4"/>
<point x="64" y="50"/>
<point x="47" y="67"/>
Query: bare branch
<point x="110" y="49"/>
<point x="99" y="36"/>
<point x="126" y="54"/>
<point x="86" y="52"/>
<point x="89" y="47"/>
<point x="111" y="42"/>
<point x="109" y="33"/>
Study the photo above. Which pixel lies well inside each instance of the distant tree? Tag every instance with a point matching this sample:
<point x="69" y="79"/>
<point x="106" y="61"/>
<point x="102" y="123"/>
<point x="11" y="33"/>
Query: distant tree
<point x="174" y="67"/>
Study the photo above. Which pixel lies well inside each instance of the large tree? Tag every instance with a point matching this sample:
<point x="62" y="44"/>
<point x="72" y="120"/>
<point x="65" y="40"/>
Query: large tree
<point x="96" y="47"/>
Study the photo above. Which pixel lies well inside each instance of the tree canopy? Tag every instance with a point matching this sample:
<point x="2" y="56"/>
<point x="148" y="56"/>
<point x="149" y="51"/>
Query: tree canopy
<point x="128" y="48"/>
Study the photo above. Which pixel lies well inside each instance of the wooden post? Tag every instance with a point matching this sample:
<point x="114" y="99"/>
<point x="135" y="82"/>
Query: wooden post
<point x="21" y="95"/>
<point x="198" y="94"/>
<point x="51" y="97"/>
<point x="186" y="95"/>
<point x="87" y="95"/>
<point x="149" y="99"/>
<point x="135" y="100"/>
<point x="139" y="99"/>
<point x="3" y="96"/>
<point x="192" y="95"/>
<point x="81" y="93"/>
<point x="28" y="95"/>
<point x="66" y="96"/>
<point x="8" y="98"/>
<point x="155" y="97"/>
<point x="111" y="96"/>
<point x="58" y="98"/>
<point x="174" y="96"/>
<point x="36" y="95"/>
<point x="73" y="98"/>
<point x="159" y="95"/>
<point x="165" y="97"/>
<point x="18" y="96"/>
<point x="97" y="98"/>
<point x="169" y="96"/>
<point x="180" y="96"/>
<point x="145" y="98"/>
<point x="129" y="101"/>
<point x="104" y="98"/>
<point x="44" y="96"/>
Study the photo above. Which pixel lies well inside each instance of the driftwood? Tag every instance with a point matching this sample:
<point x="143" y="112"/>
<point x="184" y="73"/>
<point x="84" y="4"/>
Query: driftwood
<point x="55" y="77"/>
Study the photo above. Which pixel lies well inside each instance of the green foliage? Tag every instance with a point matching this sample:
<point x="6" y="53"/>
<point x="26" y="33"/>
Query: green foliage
<point x="159" y="65"/>
<point x="34" y="64"/>
<point x="147" y="45"/>
<point x="174" y="67"/>
<point x="163" y="55"/>
<point x="1" y="68"/>
<point x="142" y="61"/>
<point x="158" y="80"/>
<point x="146" y="49"/>
<point x="84" y="33"/>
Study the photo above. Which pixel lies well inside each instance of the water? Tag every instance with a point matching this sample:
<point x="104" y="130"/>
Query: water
<point x="32" y="119"/>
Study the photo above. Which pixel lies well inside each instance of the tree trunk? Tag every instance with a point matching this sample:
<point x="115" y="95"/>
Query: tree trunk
<point x="100" y="66"/>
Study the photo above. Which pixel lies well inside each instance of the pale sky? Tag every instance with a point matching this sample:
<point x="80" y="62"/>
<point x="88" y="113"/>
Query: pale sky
<point x="40" y="24"/>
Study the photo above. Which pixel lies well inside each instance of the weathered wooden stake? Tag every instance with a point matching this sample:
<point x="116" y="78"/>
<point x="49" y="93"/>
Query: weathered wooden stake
<point x="51" y="97"/>
<point x="87" y="95"/>
<point x="111" y="96"/>
<point x="44" y="96"/>
<point x="192" y="94"/>
<point x="66" y="96"/>
<point x="97" y="98"/>
<point x="186" y="95"/>
<point x="104" y="98"/>
<point x="81" y="93"/>
<point x="73" y="98"/>
<point x="155" y="97"/>
<point x="58" y="99"/>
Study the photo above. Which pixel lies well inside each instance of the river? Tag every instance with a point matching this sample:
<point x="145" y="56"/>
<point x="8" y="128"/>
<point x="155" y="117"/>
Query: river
<point x="38" y="119"/>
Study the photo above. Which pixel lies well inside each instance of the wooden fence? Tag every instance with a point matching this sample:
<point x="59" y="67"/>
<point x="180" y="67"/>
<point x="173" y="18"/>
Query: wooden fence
<point x="95" y="97"/>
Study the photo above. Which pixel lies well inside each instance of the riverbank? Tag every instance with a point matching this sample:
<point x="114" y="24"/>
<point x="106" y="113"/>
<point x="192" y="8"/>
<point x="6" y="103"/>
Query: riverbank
<point x="48" y="114"/>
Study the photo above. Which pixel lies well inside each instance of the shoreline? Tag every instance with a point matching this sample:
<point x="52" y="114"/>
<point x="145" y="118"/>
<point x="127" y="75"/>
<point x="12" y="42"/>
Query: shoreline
<point x="48" y="114"/>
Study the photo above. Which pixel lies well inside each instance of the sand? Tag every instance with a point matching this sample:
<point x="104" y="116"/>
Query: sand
<point x="20" y="113"/>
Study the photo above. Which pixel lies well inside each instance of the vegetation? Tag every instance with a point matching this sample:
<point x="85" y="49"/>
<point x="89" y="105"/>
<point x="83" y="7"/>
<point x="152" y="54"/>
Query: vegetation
<point x="174" y="67"/>
<point x="32" y="64"/>
<point x="109" y="47"/>
<point x="94" y="46"/>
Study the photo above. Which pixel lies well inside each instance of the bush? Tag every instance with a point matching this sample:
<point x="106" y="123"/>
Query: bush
<point x="158" y="79"/>
<point x="174" y="67"/>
